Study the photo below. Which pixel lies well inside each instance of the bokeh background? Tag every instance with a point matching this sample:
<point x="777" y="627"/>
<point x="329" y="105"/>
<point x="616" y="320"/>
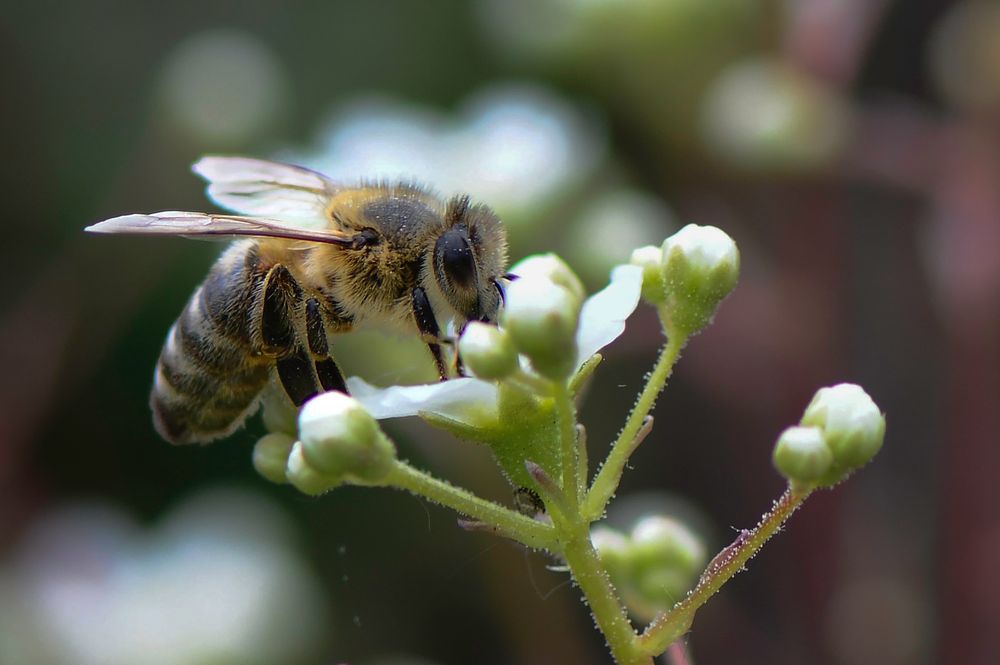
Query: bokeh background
<point x="852" y="148"/>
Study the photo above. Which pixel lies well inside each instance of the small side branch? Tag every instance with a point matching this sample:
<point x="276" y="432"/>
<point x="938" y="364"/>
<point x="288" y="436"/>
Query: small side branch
<point x="492" y="516"/>
<point x="608" y="478"/>
<point x="669" y="627"/>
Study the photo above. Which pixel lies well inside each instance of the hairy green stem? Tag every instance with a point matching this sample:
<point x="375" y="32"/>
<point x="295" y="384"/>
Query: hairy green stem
<point x="608" y="478"/>
<point x="608" y="611"/>
<point x="569" y="458"/>
<point x="503" y="520"/>
<point x="668" y="627"/>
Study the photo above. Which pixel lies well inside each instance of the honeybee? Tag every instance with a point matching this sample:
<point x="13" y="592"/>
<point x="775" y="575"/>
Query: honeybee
<point x="311" y="259"/>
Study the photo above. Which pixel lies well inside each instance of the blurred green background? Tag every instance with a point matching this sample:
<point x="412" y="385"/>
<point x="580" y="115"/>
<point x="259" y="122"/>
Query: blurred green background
<point x="851" y="147"/>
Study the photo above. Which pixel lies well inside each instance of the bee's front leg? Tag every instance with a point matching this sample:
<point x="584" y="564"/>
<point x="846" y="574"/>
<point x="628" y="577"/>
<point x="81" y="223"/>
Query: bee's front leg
<point x="429" y="331"/>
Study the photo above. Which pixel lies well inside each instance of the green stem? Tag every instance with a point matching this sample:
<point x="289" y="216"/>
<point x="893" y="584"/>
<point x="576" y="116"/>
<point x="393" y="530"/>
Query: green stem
<point x="608" y="478"/>
<point x="668" y="627"/>
<point x="504" y="521"/>
<point x="582" y="463"/>
<point x="568" y="449"/>
<point x="604" y="604"/>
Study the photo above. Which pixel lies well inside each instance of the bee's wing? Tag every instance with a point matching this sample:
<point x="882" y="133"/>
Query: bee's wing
<point x="200" y="224"/>
<point x="270" y="189"/>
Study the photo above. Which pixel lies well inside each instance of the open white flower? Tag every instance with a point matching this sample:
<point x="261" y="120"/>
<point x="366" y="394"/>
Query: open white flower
<point x="470" y="400"/>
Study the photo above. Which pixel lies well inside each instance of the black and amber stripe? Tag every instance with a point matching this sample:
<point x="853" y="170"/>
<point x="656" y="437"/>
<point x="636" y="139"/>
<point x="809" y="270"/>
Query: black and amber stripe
<point x="209" y="374"/>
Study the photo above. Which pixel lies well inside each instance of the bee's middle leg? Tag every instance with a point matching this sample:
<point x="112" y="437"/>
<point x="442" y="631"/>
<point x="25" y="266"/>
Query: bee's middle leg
<point x="281" y="298"/>
<point x="326" y="369"/>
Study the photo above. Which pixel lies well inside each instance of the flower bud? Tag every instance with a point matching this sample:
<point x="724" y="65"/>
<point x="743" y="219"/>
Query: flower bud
<point x="278" y="412"/>
<point x="270" y="456"/>
<point x="304" y="477"/>
<point x="801" y="455"/>
<point x="613" y="548"/>
<point x="541" y="317"/>
<point x="488" y="351"/>
<point x="552" y="268"/>
<point x="666" y="558"/>
<point x="853" y="427"/>
<point x="700" y="268"/>
<point x="650" y="259"/>
<point x="340" y="439"/>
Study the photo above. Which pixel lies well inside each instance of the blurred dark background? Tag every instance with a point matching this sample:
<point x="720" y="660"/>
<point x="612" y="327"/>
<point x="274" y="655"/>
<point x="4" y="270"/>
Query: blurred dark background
<point x="851" y="147"/>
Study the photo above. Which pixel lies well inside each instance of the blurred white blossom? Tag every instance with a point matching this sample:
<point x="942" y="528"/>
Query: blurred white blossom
<point x="762" y="115"/>
<point x="217" y="582"/>
<point x="514" y="146"/>
<point x="222" y="87"/>
<point x="614" y="222"/>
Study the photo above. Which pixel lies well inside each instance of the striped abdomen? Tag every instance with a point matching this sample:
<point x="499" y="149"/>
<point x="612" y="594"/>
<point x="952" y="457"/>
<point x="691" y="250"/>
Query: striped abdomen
<point x="210" y="372"/>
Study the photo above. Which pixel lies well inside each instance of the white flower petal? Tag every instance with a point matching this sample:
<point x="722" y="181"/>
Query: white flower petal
<point x="603" y="316"/>
<point x="454" y="399"/>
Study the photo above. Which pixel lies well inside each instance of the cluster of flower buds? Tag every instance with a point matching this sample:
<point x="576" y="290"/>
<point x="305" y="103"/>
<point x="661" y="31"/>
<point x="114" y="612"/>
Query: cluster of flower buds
<point x="841" y="430"/>
<point x="694" y="270"/>
<point x="540" y="318"/>
<point x="339" y="442"/>
<point x="654" y="565"/>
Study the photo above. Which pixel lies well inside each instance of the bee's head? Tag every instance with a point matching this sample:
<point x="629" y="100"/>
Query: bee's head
<point x="469" y="257"/>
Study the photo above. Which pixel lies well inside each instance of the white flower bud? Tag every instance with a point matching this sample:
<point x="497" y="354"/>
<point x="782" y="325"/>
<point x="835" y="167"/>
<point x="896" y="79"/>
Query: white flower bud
<point x="853" y="426"/>
<point x="552" y="268"/>
<point x="801" y="455"/>
<point x="650" y="259"/>
<point x="541" y="317"/>
<point x="488" y="351"/>
<point x="304" y="477"/>
<point x="700" y="267"/>
<point x="341" y="439"/>
<point x="270" y="456"/>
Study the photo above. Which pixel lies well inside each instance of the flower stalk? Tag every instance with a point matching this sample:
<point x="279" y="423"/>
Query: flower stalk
<point x="632" y="434"/>
<point x="669" y="627"/>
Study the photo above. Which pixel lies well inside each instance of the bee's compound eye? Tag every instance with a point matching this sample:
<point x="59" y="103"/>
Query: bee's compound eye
<point x="455" y="257"/>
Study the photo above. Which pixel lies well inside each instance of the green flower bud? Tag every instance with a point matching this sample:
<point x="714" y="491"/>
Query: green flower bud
<point x="666" y="559"/>
<point x="552" y="268"/>
<point x="614" y="550"/>
<point x="650" y="259"/>
<point x="541" y="317"/>
<point x="853" y="427"/>
<point x="801" y="455"/>
<point x="700" y="267"/>
<point x="488" y="351"/>
<point x="278" y="412"/>
<point x="341" y="439"/>
<point x="270" y="456"/>
<point x="304" y="477"/>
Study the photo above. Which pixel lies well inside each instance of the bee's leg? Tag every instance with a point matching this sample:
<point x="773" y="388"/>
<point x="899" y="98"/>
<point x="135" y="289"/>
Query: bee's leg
<point x="428" y="327"/>
<point x="326" y="369"/>
<point x="296" y="375"/>
<point x="282" y="298"/>
<point x="459" y="365"/>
